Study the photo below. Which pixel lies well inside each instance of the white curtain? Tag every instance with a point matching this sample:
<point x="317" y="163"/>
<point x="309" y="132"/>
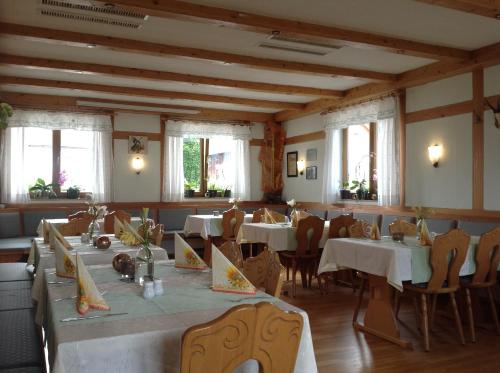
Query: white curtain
<point x="102" y="167"/>
<point x="333" y="165"/>
<point x="173" y="179"/>
<point x="241" y="183"/>
<point x="60" y="120"/>
<point x="14" y="186"/>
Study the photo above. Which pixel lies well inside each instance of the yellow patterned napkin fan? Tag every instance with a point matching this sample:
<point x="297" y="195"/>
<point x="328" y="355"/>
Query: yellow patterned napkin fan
<point x="65" y="262"/>
<point x="87" y="295"/>
<point x="53" y="234"/>
<point x="374" y="231"/>
<point x="45" y="230"/>
<point x="130" y="236"/>
<point x="118" y="227"/>
<point x="360" y="229"/>
<point x="268" y="217"/>
<point x="226" y="277"/>
<point x="425" y="237"/>
<point x="185" y="256"/>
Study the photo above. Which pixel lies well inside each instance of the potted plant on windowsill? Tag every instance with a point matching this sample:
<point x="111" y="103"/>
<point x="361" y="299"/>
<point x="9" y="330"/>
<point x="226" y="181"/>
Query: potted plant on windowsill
<point x="212" y="190"/>
<point x="360" y="188"/>
<point x="42" y="190"/>
<point x="5" y="113"/>
<point x="345" y="193"/>
<point x="73" y="192"/>
<point x="227" y="192"/>
<point x="188" y="190"/>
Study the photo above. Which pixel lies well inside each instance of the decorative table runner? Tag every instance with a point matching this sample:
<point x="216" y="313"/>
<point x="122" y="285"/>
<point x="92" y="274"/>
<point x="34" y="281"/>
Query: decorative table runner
<point x="207" y="225"/>
<point x="278" y="237"/>
<point x="134" y="221"/>
<point x="147" y="338"/>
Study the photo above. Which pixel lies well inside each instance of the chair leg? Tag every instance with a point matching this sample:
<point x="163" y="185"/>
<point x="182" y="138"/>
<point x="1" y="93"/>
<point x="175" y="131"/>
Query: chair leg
<point x="311" y="273"/>
<point x="425" y="322"/>
<point x="494" y="310"/>
<point x="417" y="312"/>
<point x="397" y="303"/>
<point x="433" y="311"/>
<point x="294" y="277"/>
<point x="352" y="279"/>
<point x="457" y="318"/>
<point x="360" y="301"/>
<point x="470" y="314"/>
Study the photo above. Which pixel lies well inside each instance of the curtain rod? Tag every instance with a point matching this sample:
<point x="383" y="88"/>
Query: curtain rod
<point x="334" y="109"/>
<point x="229" y="122"/>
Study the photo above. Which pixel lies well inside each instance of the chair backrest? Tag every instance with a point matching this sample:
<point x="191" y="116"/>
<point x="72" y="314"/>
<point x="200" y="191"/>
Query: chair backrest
<point x="231" y="223"/>
<point x="339" y="226"/>
<point x="75" y="227"/>
<point x="309" y="232"/>
<point x="360" y="229"/>
<point x="402" y="226"/>
<point x="262" y="332"/>
<point x="257" y="215"/>
<point x="265" y="271"/>
<point x="447" y="255"/>
<point x="109" y="220"/>
<point x="487" y="257"/>
<point x="232" y="251"/>
<point x="79" y="215"/>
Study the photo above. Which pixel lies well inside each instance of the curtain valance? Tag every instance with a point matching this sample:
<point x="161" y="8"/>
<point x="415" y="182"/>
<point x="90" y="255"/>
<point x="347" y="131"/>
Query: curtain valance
<point x="207" y="130"/>
<point x="60" y="120"/>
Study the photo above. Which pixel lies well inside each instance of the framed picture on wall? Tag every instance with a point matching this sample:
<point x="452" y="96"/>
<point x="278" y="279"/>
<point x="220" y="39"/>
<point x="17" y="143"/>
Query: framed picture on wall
<point x="291" y="164"/>
<point x="311" y="155"/>
<point x="137" y="145"/>
<point x="311" y="173"/>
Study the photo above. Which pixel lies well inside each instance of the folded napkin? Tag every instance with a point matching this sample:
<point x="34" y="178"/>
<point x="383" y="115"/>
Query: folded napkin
<point x="65" y="262"/>
<point x="425" y="237"/>
<point x="299" y="215"/>
<point x="118" y="227"/>
<point x="130" y="236"/>
<point x="268" y="217"/>
<point x="45" y="231"/>
<point x="375" y="231"/>
<point x="185" y="256"/>
<point x="87" y="295"/>
<point x="360" y="229"/>
<point x="226" y="277"/>
<point x="53" y="233"/>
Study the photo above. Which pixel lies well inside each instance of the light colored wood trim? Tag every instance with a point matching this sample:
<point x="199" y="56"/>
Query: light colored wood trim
<point x="402" y="149"/>
<point x="345" y="142"/>
<point x="162" y="155"/>
<point x="439" y="112"/>
<point x="478" y="139"/>
<point x="138" y="46"/>
<point x="256" y="142"/>
<point x="313" y="136"/>
<point x="486" y="8"/>
<point x="146" y="92"/>
<point x="56" y="158"/>
<point x="129" y="72"/>
<point x="263" y="24"/>
<point x="123" y="135"/>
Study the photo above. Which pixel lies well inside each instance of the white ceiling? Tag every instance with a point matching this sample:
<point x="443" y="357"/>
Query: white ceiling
<point x="400" y="18"/>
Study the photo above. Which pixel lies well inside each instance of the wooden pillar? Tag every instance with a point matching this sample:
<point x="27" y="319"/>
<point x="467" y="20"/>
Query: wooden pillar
<point x="477" y="139"/>
<point x="402" y="149"/>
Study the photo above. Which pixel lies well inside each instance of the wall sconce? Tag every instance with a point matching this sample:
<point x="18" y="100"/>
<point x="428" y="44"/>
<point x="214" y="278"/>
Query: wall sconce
<point x="435" y="153"/>
<point x="301" y="165"/>
<point x="137" y="164"/>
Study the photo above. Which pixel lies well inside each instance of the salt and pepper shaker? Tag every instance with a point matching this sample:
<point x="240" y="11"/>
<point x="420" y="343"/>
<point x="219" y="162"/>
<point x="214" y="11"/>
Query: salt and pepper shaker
<point x="85" y="238"/>
<point x="158" y="287"/>
<point x="149" y="291"/>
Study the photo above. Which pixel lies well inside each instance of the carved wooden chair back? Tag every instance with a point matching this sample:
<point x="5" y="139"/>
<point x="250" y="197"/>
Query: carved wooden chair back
<point x="403" y="226"/>
<point x="75" y="227"/>
<point x="232" y="251"/>
<point x="359" y="229"/>
<point x="109" y="220"/>
<point x="262" y="332"/>
<point x="447" y="255"/>
<point x="231" y="223"/>
<point x="487" y="257"/>
<point x="79" y="215"/>
<point x="339" y="226"/>
<point x="308" y="235"/>
<point x="265" y="271"/>
<point x="257" y="215"/>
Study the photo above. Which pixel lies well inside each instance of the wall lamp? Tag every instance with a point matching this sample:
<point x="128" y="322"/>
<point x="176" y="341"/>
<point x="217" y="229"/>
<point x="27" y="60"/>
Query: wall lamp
<point x="435" y="153"/>
<point x="137" y="164"/>
<point x="301" y="165"/>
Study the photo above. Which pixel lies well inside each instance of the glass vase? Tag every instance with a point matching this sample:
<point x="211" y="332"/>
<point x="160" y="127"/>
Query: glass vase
<point x="144" y="265"/>
<point x="93" y="231"/>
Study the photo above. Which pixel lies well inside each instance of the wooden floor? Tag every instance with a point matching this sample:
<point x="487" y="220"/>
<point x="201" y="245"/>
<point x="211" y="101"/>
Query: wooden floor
<point x="339" y="348"/>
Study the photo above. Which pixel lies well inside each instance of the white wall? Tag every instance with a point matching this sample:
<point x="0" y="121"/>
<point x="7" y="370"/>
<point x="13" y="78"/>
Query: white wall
<point x="257" y="131"/>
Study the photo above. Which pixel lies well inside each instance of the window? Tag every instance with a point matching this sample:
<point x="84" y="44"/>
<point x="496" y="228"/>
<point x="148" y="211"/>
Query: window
<point x="38" y="154"/>
<point x="76" y="154"/>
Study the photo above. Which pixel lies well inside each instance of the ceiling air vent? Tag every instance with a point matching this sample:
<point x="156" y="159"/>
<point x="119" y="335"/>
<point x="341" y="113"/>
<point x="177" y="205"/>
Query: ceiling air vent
<point x="80" y="10"/>
<point x="290" y="43"/>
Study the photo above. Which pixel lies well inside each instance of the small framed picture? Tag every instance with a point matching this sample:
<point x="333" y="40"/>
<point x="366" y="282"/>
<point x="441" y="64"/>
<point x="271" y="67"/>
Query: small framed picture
<point x="137" y="145"/>
<point x="311" y="173"/>
<point x="291" y="164"/>
<point x="311" y="155"/>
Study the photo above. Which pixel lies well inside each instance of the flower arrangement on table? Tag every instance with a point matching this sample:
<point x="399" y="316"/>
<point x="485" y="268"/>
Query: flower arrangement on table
<point x="293" y="204"/>
<point x="422" y="213"/>
<point x="235" y="201"/>
<point x="97" y="212"/>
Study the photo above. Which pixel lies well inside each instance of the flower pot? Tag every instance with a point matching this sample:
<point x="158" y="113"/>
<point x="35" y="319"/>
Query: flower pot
<point x="345" y="194"/>
<point x="72" y="193"/>
<point x="227" y="193"/>
<point x="212" y="193"/>
<point x="189" y="193"/>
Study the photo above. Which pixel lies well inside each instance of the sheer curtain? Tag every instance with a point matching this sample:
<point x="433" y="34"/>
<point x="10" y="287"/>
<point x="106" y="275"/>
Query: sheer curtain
<point x="241" y="182"/>
<point x="333" y="165"/>
<point x="173" y="183"/>
<point x="388" y="162"/>
<point x="102" y="167"/>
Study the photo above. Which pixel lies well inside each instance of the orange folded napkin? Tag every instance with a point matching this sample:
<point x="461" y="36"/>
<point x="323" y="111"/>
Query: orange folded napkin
<point x="118" y="227"/>
<point x="298" y="216"/>
<point x="375" y="231"/>
<point x="360" y="229"/>
<point x="268" y="218"/>
<point x="45" y="230"/>
<point x="185" y="256"/>
<point x="65" y="262"/>
<point x="87" y="295"/>
<point x="425" y="237"/>
<point x="226" y="277"/>
<point x="53" y="234"/>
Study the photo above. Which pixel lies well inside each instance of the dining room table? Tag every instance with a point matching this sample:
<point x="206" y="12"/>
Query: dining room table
<point x="388" y="264"/>
<point x="135" y="221"/>
<point x="144" y="335"/>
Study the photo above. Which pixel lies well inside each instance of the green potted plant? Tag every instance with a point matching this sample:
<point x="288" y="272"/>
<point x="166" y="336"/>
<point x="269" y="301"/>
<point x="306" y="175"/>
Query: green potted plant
<point x="188" y="189"/>
<point x="227" y="192"/>
<point x="5" y="113"/>
<point x="212" y="190"/>
<point x="360" y="189"/>
<point x="345" y="193"/>
<point x="73" y="192"/>
<point x="43" y="190"/>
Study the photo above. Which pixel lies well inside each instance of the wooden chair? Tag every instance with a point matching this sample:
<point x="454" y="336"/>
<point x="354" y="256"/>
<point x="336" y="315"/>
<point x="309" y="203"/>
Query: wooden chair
<point x="265" y="271"/>
<point x="403" y="226"/>
<point x="79" y="215"/>
<point x="487" y="260"/>
<point x="232" y="251"/>
<point x="339" y="226"/>
<point x="75" y="227"/>
<point x="447" y="255"/>
<point x="307" y="254"/>
<point x="109" y="220"/>
<point x="262" y="332"/>
<point x="231" y="223"/>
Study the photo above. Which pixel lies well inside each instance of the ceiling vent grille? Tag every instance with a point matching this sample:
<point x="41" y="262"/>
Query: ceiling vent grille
<point x="290" y="43"/>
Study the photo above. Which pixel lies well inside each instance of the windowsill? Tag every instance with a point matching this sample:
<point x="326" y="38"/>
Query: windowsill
<point x="207" y="199"/>
<point x="56" y="200"/>
<point x="357" y="202"/>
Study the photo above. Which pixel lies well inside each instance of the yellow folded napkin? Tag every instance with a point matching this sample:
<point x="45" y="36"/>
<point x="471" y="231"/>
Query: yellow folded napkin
<point x="45" y="231"/>
<point x="425" y="237"/>
<point x="118" y="227"/>
<point x="65" y="262"/>
<point x="130" y="236"/>
<point x="226" y="277"/>
<point x="360" y="229"/>
<point x="374" y="232"/>
<point x="53" y="233"/>
<point x="268" y="218"/>
<point x="185" y="256"/>
<point x="299" y="215"/>
<point x="87" y="295"/>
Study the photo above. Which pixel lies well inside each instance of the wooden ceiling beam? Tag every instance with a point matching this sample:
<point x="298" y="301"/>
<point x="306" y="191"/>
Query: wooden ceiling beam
<point x="268" y="25"/>
<point x="485" y="8"/>
<point x="54" y="102"/>
<point x="136" y="73"/>
<point x="137" y="46"/>
<point x="145" y="92"/>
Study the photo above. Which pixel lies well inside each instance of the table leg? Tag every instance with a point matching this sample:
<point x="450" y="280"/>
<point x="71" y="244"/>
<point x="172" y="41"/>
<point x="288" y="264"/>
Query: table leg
<point x="207" y="251"/>
<point x="379" y="318"/>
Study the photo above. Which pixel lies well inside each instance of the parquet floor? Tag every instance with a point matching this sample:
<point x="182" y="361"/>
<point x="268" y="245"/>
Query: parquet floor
<point x="339" y="348"/>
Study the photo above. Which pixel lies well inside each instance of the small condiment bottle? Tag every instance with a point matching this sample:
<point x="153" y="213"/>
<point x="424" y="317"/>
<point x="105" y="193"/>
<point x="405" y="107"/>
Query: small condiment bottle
<point x="148" y="291"/>
<point x="158" y="286"/>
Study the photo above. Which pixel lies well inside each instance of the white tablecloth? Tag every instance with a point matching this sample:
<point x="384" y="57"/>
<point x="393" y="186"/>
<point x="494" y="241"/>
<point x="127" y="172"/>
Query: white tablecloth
<point x="142" y="342"/>
<point x="278" y="237"/>
<point x="207" y="225"/>
<point x="134" y="222"/>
